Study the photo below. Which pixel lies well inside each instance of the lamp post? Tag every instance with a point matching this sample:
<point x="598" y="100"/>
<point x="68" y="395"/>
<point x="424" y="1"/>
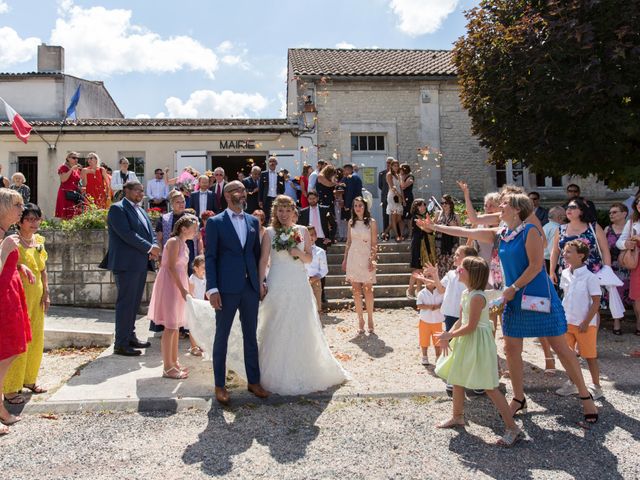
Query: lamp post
<point x="309" y="115"/>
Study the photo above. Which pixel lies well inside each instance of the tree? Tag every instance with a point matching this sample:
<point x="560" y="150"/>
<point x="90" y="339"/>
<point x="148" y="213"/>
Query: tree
<point x="555" y="84"/>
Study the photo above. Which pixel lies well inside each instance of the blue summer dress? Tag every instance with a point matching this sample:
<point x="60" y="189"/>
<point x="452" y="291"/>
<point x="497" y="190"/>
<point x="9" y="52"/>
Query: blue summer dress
<point x="594" y="261"/>
<point x="520" y="323"/>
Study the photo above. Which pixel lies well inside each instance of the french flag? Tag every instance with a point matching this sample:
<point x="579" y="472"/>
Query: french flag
<point x="19" y="124"/>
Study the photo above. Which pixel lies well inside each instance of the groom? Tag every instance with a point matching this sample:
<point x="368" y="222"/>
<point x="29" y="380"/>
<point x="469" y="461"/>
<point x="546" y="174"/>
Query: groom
<point x="231" y="264"/>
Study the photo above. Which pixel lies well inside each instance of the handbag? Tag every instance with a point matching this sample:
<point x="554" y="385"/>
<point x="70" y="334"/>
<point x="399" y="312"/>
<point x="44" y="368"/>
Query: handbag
<point x="534" y="303"/>
<point x="73" y="196"/>
<point x="628" y="258"/>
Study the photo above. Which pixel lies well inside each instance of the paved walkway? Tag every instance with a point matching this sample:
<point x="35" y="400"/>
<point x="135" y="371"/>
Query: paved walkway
<point x="385" y="365"/>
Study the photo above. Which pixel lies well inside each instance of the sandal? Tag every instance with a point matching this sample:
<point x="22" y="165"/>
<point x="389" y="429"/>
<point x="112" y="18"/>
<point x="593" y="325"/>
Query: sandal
<point x="589" y="418"/>
<point x="523" y="405"/>
<point x="617" y="331"/>
<point x="453" y="422"/>
<point x="510" y="438"/>
<point x="35" y="389"/>
<point x="550" y="371"/>
<point x="17" y="399"/>
<point x="195" y="351"/>
<point x="179" y="375"/>
<point x="12" y="419"/>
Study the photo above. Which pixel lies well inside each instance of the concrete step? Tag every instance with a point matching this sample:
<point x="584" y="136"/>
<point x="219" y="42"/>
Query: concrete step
<point x="382" y="269"/>
<point x="384" y="257"/>
<point x="383" y="279"/>
<point x="389" y="302"/>
<point x="381" y="291"/>
<point x="385" y="247"/>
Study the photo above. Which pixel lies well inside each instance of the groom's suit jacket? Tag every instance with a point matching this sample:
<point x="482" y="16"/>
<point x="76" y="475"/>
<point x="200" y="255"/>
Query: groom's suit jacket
<point x="227" y="264"/>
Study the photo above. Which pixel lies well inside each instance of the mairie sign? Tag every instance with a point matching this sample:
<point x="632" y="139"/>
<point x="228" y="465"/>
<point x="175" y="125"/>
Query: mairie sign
<point x="237" y="144"/>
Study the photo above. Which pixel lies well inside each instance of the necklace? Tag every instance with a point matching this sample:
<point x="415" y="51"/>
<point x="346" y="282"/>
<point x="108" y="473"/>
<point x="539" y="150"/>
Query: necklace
<point x="507" y="237"/>
<point x="27" y="243"/>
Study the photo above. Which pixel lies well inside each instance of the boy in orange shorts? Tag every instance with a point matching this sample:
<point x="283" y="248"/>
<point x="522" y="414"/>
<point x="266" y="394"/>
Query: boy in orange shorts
<point x="581" y="303"/>
<point x="428" y="302"/>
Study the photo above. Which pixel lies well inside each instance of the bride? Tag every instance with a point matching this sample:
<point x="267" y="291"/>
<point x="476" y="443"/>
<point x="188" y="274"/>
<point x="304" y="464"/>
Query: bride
<point x="293" y="352"/>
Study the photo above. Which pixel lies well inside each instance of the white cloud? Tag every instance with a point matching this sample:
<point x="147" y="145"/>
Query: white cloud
<point x="14" y="49"/>
<point x="142" y="115"/>
<point x="345" y="45"/>
<point x="282" y="74"/>
<point x="418" y="17"/>
<point x="232" y="56"/>
<point x="4" y="8"/>
<point x="101" y="42"/>
<point x="210" y="104"/>
<point x="225" y="47"/>
<point x="283" y="105"/>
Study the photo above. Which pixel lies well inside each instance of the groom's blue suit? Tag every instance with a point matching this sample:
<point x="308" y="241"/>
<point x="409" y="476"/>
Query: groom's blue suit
<point x="233" y="270"/>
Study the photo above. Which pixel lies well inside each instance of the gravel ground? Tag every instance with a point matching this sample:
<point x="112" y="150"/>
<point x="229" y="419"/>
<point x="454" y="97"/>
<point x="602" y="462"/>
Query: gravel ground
<point x="383" y="438"/>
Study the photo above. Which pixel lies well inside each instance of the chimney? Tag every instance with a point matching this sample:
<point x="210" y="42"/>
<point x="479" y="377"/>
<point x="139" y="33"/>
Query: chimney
<point x="50" y="59"/>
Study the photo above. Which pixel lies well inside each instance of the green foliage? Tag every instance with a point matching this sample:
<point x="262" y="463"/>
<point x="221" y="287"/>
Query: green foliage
<point x="554" y="84"/>
<point x="92" y="218"/>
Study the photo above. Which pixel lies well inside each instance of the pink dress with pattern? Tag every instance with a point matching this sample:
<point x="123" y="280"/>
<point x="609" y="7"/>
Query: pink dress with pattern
<point x="167" y="305"/>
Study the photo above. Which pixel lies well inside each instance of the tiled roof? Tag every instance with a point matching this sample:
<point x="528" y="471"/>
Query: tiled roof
<point x="166" y="124"/>
<point x="370" y="62"/>
<point x="163" y="122"/>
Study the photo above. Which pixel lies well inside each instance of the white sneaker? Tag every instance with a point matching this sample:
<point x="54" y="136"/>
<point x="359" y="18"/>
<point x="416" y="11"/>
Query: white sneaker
<point x="567" y="389"/>
<point x="595" y="391"/>
<point x="425" y="361"/>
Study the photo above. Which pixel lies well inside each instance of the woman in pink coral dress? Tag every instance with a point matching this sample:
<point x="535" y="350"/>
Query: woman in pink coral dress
<point x="360" y="257"/>
<point x="170" y="292"/>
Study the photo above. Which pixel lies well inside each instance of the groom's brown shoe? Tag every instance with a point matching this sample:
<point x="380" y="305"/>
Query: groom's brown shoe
<point x="222" y="396"/>
<point x="257" y="390"/>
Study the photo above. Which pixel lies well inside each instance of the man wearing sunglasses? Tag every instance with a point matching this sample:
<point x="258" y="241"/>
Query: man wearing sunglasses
<point x="219" y="202"/>
<point x="573" y="192"/>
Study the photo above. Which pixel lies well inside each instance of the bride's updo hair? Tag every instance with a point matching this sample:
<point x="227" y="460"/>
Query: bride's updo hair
<point x="280" y="201"/>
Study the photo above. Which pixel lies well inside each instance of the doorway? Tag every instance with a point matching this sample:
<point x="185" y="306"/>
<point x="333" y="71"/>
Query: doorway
<point x="234" y="164"/>
<point x="28" y="166"/>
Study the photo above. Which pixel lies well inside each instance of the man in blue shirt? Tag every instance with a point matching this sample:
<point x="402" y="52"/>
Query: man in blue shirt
<point x="353" y="187"/>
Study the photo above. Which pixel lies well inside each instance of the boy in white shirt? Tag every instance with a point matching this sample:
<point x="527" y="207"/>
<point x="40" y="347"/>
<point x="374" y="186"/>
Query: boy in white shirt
<point x="318" y="267"/>
<point x="429" y="301"/>
<point x="581" y="303"/>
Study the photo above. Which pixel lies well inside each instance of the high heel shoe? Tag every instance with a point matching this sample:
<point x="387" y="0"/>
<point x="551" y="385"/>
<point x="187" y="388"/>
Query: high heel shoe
<point x="589" y="418"/>
<point x="523" y="405"/>
<point x="510" y="438"/>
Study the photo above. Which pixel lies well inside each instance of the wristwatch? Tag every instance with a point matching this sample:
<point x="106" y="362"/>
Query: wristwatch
<point x="515" y="287"/>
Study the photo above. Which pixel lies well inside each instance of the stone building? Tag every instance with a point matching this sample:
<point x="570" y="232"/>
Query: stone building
<point x="371" y="103"/>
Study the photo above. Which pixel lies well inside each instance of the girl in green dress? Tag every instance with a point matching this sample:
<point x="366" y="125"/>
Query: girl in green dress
<point x="472" y="360"/>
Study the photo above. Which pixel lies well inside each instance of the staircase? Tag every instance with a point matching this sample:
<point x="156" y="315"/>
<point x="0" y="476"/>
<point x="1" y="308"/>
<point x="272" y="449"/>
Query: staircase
<point x="392" y="277"/>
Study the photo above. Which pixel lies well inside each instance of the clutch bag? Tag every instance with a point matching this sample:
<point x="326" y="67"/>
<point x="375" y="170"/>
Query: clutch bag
<point x="536" y="304"/>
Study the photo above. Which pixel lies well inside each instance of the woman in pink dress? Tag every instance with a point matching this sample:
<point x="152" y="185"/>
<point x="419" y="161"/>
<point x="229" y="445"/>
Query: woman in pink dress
<point x="170" y="292"/>
<point x="96" y="181"/>
<point x="360" y="255"/>
<point x="304" y="185"/>
<point x="69" y="174"/>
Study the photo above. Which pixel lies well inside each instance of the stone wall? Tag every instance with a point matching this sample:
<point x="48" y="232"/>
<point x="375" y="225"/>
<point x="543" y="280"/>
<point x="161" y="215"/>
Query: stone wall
<point x="74" y="276"/>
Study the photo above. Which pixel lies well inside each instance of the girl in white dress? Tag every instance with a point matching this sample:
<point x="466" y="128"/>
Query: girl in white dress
<point x="395" y="201"/>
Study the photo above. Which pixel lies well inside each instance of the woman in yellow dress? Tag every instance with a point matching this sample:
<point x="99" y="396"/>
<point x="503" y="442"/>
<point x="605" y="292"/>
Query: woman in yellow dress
<point x="23" y="372"/>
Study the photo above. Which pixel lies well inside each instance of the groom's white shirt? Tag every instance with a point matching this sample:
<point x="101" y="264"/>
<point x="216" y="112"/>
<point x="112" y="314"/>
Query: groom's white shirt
<point x="240" y="226"/>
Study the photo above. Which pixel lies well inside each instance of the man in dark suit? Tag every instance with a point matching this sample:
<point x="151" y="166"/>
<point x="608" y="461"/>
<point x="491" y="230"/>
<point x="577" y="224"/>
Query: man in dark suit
<point x="321" y="218"/>
<point x="231" y="266"/>
<point x="271" y="185"/>
<point x="383" y="186"/>
<point x="203" y="199"/>
<point x="251" y="183"/>
<point x="132" y="248"/>
<point x="219" y="202"/>
<point x="353" y="187"/>
<point x="541" y="212"/>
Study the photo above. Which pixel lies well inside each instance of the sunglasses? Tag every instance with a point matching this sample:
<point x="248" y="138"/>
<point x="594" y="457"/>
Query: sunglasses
<point x="572" y="207"/>
<point x="613" y="212"/>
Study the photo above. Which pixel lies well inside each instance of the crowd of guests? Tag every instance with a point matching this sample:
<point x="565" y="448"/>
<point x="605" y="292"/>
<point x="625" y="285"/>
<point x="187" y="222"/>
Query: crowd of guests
<point x="465" y="280"/>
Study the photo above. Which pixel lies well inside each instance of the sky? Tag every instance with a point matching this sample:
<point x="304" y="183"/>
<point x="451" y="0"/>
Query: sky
<point x="215" y="58"/>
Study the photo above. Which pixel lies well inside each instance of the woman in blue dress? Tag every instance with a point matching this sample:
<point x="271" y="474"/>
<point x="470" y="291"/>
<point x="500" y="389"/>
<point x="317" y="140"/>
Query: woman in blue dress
<point x="521" y="252"/>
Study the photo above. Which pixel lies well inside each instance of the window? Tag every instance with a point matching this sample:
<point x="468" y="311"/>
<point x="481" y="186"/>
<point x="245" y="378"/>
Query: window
<point x="510" y="172"/>
<point x="543" y="180"/>
<point x="367" y="143"/>
<point x="136" y="163"/>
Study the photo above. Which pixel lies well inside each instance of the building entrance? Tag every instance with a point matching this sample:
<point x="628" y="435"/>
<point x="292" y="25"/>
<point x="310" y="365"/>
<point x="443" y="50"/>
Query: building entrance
<point x="234" y="164"/>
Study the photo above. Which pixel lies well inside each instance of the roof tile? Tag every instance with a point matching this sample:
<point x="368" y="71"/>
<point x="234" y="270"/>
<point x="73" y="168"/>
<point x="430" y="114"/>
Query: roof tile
<point x="370" y="62"/>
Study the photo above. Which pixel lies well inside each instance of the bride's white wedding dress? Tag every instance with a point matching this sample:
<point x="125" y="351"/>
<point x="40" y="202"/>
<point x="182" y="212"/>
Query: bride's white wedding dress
<point x="293" y="352"/>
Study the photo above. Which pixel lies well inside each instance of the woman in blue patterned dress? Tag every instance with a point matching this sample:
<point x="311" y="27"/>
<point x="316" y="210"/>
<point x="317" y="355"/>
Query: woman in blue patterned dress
<point x="580" y="227"/>
<point x="521" y="252"/>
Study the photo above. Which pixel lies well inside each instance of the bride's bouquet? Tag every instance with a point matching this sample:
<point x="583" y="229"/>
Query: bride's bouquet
<point x="286" y="239"/>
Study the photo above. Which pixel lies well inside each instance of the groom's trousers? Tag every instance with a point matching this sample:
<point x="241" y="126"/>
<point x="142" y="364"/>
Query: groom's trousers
<point x="247" y="304"/>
